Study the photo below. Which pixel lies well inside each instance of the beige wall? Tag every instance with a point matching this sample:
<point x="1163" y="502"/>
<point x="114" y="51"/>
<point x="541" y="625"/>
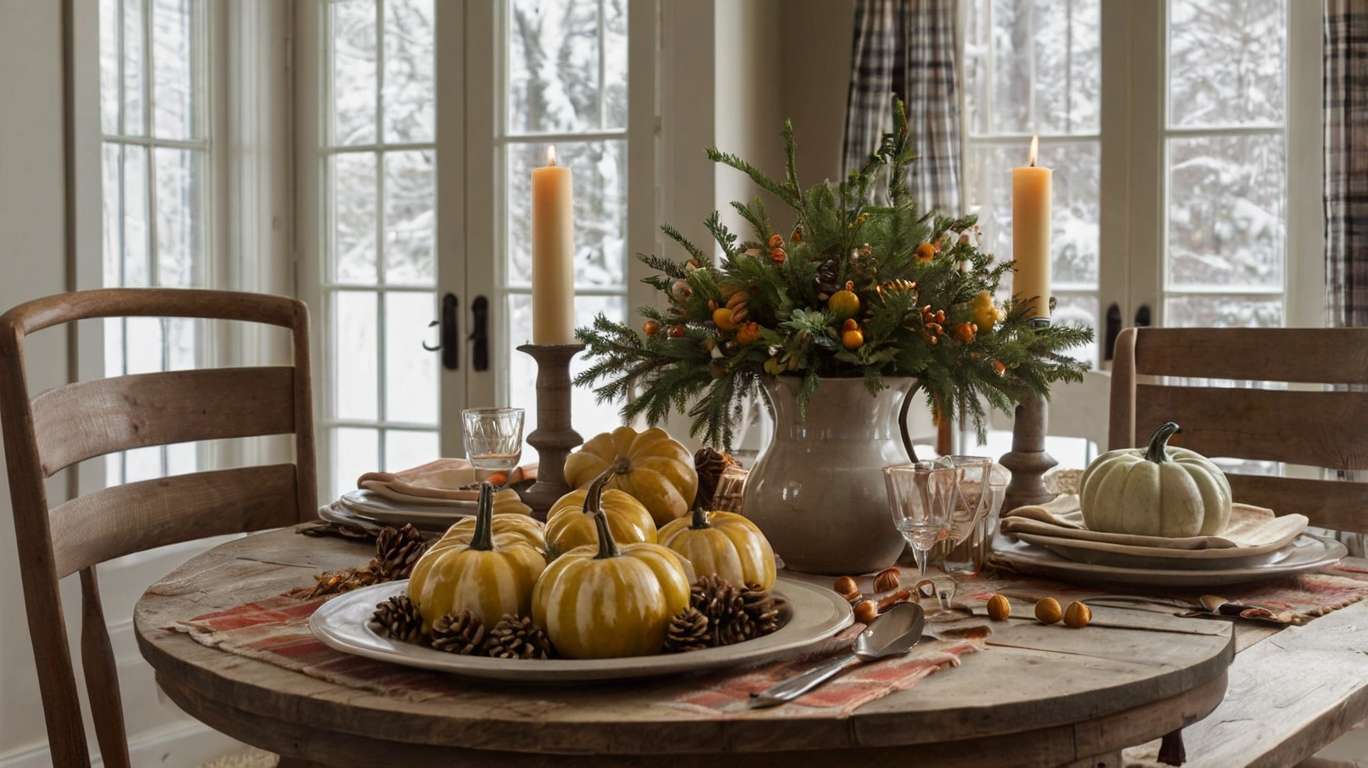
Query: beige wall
<point x="815" y="62"/>
<point x="33" y="264"/>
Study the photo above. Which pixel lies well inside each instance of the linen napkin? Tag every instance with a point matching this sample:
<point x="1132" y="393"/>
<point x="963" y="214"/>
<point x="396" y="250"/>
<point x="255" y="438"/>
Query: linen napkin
<point x="1252" y="530"/>
<point x="442" y="480"/>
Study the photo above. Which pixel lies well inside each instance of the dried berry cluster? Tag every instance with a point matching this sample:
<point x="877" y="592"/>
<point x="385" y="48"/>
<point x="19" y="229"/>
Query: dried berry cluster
<point x="396" y="552"/>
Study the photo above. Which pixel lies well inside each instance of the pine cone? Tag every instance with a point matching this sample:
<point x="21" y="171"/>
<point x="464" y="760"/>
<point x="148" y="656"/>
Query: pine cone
<point x="720" y="602"/>
<point x="827" y="280"/>
<point x="710" y="464"/>
<point x="397" y="618"/>
<point x="516" y="637"/>
<point x="459" y="633"/>
<point x="688" y="631"/>
<point x="761" y="608"/>
<point x="396" y="552"/>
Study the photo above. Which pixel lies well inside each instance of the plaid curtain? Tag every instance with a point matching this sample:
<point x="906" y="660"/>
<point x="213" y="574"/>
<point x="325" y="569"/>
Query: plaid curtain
<point x="908" y="48"/>
<point x="1345" y="92"/>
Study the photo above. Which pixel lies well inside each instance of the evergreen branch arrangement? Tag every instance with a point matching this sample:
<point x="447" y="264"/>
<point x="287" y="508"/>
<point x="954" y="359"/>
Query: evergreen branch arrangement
<point x="863" y="286"/>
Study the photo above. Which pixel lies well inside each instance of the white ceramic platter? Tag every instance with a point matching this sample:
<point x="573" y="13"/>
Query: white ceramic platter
<point x="814" y="614"/>
<point x="1307" y="553"/>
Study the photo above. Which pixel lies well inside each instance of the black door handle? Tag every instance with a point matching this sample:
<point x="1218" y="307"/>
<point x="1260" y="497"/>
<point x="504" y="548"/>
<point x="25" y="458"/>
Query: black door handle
<point x="451" y="350"/>
<point x="1142" y="316"/>
<point x="479" y="319"/>
<point x="1113" y="330"/>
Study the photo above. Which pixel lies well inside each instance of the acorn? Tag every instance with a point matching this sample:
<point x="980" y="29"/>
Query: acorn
<point x="999" y="607"/>
<point x="866" y="611"/>
<point x="1078" y="615"/>
<point x="847" y="588"/>
<point x="1047" y="611"/>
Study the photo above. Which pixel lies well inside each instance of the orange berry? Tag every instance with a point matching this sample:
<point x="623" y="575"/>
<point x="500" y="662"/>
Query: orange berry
<point x="797" y="236"/>
<point x="1000" y="367"/>
<point x="778" y="255"/>
<point x="650" y="327"/>
<point x="676" y="331"/>
<point x="776" y="240"/>
<point x="926" y="252"/>
<point x="748" y="333"/>
<point x="722" y="318"/>
<point x="850" y="325"/>
<point x="852" y="339"/>
<point x="965" y="332"/>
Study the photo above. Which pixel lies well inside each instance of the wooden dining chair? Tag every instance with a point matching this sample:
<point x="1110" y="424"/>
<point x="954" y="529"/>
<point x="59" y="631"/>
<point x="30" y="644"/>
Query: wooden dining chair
<point x="64" y="426"/>
<point x="1320" y="428"/>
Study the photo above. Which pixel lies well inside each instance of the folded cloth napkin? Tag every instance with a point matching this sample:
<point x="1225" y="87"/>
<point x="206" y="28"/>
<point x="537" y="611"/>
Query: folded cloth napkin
<point x="1251" y="528"/>
<point x="443" y="479"/>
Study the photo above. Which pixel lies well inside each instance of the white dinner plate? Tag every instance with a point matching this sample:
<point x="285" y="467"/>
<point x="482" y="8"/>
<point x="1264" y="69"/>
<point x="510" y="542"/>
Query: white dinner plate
<point x="1307" y="553"/>
<point x="813" y="614"/>
<point x="380" y="510"/>
<point x="1099" y="553"/>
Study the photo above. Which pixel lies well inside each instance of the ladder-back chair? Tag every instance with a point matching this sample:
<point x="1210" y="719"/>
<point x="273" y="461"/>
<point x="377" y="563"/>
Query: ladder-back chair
<point x="69" y="424"/>
<point x="1321" y="428"/>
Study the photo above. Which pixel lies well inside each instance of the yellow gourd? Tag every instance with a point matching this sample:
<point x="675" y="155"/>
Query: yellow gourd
<point x="488" y="575"/>
<point x="722" y="544"/>
<point x="653" y="467"/>
<point x="519" y="526"/>
<point x="507" y="502"/>
<point x="605" y="601"/>
<point x="570" y="523"/>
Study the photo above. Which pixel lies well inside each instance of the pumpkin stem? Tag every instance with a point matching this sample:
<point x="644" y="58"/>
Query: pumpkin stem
<point x="1157" y="451"/>
<point x="483" y="538"/>
<point x="593" y="504"/>
<point x="700" y="518"/>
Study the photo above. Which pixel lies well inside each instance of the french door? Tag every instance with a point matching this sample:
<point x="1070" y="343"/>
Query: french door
<point x="419" y="124"/>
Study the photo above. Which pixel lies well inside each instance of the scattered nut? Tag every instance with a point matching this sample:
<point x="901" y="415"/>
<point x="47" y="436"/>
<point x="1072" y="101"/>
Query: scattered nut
<point x="847" y="588"/>
<point x="999" y="608"/>
<point x="1078" y="615"/>
<point x="866" y="611"/>
<point x="888" y="578"/>
<point x="1047" y="611"/>
<point x="893" y="598"/>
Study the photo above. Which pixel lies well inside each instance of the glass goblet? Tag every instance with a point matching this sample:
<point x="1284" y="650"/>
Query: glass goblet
<point x="920" y="496"/>
<point x="494" y="439"/>
<point x="967" y="516"/>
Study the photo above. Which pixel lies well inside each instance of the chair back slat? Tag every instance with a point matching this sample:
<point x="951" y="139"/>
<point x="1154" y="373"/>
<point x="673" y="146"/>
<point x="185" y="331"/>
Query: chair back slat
<point x="130" y="518"/>
<point x="1296" y="355"/>
<point x="92" y="418"/>
<point x="1297" y="427"/>
<point x="69" y="424"/>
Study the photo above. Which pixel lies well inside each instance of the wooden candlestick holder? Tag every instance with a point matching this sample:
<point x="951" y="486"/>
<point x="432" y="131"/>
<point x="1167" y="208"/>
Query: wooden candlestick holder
<point x="554" y="436"/>
<point x="1028" y="460"/>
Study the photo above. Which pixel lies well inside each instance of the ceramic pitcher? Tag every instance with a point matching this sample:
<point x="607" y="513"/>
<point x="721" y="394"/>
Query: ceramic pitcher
<point x="817" y="491"/>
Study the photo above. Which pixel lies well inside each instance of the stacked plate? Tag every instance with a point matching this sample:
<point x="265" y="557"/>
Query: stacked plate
<point x="1049" y="541"/>
<point x="365" y="507"/>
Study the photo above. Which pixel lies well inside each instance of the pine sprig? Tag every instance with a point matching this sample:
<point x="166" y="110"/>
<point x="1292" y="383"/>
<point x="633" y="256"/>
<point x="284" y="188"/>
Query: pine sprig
<point x="924" y="290"/>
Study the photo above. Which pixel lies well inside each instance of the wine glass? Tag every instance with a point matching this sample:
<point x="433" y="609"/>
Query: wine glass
<point x="974" y="499"/>
<point x="493" y="438"/>
<point x="920" y="496"/>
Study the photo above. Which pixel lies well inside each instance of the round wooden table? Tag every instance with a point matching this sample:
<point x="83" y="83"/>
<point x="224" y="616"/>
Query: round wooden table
<point x="1037" y="696"/>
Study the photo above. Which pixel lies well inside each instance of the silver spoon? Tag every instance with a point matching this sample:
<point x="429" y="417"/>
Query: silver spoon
<point x="893" y="633"/>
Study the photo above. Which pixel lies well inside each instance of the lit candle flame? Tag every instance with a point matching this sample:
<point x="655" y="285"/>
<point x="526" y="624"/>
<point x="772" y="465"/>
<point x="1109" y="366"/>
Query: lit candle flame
<point x="1035" y="146"/>
<point x="551" y="155"/>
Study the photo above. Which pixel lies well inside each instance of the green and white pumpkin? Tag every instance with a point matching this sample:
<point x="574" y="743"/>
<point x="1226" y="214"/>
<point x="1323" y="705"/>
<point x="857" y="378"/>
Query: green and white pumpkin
<point x="1155" y="491"/>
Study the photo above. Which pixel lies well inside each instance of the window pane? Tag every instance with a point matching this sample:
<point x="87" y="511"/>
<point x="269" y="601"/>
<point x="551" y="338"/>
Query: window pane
<point x="1033" y="66"/>
<point x="353" y="71"/>
<point x="600" y="173"/>
<point x="409" y="100"/>
<point x="143" y="464"/>
<point x="355" y="355"/>
<point x="174" y="69"/>
<point x="1079" y="310"/>
<point x="410" y="220"/>
<point x="354" y="217"/>
<point x="134" y="97"/>
<point x="1226" y="61"/>
<point x="135" y="256"/>
<point x="591" y="417"/>
<point x="1217" y="311"/>
<point x="113" y="346"/>
<point x="355" y="452"/>
<point x="410" y="370"/>
<point x="1076" y="215"/>
<point x="405" y="448"/>
<point x="109" y="66"/>
<point x="181" y="335"/>
<point x="1226" y="212"/>
<point x="554" y="60"/>
<point x="144" y="344"/>
<point x="179" y="215"/>
<point x="181" y="459"/>
<point x="110" y="235"/>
